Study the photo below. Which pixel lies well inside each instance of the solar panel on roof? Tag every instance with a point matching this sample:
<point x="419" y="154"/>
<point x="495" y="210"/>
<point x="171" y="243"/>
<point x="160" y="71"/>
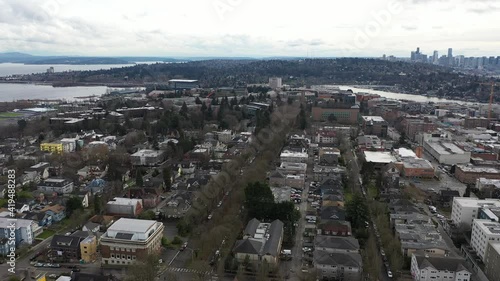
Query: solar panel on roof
<point x="125" y="236"/>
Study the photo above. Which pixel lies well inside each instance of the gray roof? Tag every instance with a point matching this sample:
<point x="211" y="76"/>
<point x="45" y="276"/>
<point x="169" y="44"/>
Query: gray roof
<point x="336" y="242"/>
<point x="268" y="246"/>
<point x="251" y="227"/>
<point x="338" y="259"/>
<point x="61" y="241"/>
<point x="248" y="246"/>
<point x="273" y="243"/>
<point x="441" y="263"/>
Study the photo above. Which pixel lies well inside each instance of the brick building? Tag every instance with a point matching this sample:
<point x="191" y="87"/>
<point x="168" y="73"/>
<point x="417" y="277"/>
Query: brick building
<point x="128" y="240"/>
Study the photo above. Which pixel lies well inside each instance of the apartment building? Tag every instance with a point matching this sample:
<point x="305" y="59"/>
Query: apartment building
<point x="484" y="232"/>
<point x="465" y="210"/>
<point x="425" y="268"/>
<point x="128" y="240"/>
<point x="60" y="186"/>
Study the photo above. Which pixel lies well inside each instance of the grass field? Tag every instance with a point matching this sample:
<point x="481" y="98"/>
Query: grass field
<point x="46" y="234"/>
<point x="10" y="114"/>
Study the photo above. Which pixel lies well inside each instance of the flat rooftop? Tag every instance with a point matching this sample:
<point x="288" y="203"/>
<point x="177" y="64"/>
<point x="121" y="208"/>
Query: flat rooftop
<point x="476" y="203"/>
<point x="132" y="225"/>
<point x="489" y="227"/>
<point x="373" y="119"/>
<point x="478" y="169"/>
<point x="445" y="148"/>
<point x="379" y="157"/>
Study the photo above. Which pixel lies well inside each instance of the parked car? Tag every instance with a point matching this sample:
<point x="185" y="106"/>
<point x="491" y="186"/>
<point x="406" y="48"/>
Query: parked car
<point x="183" y="246"/>
<point x="389" y="274"/>
<point x="210" y="217"/>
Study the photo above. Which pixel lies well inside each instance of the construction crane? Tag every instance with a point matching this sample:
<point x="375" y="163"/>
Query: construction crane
<point x="490" y="107"/>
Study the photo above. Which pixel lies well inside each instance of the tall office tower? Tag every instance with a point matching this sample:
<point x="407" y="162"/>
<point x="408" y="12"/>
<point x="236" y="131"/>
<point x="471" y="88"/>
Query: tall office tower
<point x="418" y="50"/>
<point x="413" y="56"/>
<point x="435" y="57"/>
<point x="450" y="57"/>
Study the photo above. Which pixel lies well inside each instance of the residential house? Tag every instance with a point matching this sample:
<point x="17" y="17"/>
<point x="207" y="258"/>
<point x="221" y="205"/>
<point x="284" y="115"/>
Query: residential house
<point x="88" y="249"/>
<point x="334" y="228"/>
<point x="23" y="230"/>
<point x="150" y="196"/>
<point x="57" y="212"/>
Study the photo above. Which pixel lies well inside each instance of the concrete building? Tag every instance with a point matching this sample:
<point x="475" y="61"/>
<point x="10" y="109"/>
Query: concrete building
<point x="378" y="158"/>
<point x="488" y="187"/>
<point x="465" y="210"/>
<point x="69" y="144"/>
<point x="470" y="173"/>
<point x="124" y="207"/>
<point x="261" y="241"/>
<point x="347" y="116"/>
<point x="475" y="122"/>
<point x="492" y="261"/>
<point x="182" y="84"/>
<point x="293" y="168"/>
<point x="370" y="142"/>
<point x="147" y="157"/>
<point x="294" y="157"/>
<point x="275" y="83"/>
<point x="23" y="230"/>
<point x="128" y="240"/>
<point x="417" y="168"/>
<point x="225" y="136"/>
<point x="60" y="186"/>
<point x="484" y="232"/>
<point x="446" y="152"/>
<point x="425" y="268"/>
<point x="326" y="136"/>
<point x="374" y="125"/>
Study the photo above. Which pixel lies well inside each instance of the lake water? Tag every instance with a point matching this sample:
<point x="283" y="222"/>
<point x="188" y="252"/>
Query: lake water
<point x="11" y="92"/>
<point x="399" y="96"/>
<point x="7" y="69"/>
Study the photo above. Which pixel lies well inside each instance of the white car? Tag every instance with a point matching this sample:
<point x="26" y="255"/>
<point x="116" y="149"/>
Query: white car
<point x="210" y="216"/>
<point x="389" y="274"/>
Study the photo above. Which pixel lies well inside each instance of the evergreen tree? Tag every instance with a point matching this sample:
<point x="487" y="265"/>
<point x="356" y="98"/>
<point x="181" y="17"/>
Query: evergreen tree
<point x="138" y="178"/>
<point x="198" y="101"/>
<point x="184" y="109"/>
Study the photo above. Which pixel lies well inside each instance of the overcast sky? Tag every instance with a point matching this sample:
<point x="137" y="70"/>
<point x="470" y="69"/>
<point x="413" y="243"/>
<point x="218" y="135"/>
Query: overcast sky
<point x="259" y="28"/>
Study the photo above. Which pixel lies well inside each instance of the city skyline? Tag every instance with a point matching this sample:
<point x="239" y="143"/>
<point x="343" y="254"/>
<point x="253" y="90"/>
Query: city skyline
<point x="243" y="28"/>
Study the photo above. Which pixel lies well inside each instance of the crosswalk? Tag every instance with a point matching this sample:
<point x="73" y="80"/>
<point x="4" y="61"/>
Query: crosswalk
<point x="185" y="270"/>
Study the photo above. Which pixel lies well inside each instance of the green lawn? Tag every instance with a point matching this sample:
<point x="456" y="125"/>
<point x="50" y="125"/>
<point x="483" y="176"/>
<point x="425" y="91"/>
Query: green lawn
<point x="46" y="234"/>
<point x="10" y="114"/>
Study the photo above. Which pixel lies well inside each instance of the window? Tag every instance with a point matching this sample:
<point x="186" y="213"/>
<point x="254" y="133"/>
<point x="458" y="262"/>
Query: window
<point x="128" y="257"/>
<point x="113" y="256"/>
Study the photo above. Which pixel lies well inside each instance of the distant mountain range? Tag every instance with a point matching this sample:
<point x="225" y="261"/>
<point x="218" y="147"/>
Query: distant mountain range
<point x="17" y="57"/>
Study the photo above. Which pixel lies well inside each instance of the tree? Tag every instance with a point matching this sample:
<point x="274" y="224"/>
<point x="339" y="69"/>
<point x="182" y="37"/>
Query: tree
<point x="184" y="109"/>
<point x="357" y="211"/>
<point x="73" y="203"/>
<point x="167" y="178"/>
<point x="21" y="124"/>
<point x="332" y="118"/>
<point x="138" y="178"/>
<point x="98" y="204"/>
<point x="13" y="278"/>
<point x="147" y="215"/>
<point x="144" y="270"/>
<point x="198" y="101"/>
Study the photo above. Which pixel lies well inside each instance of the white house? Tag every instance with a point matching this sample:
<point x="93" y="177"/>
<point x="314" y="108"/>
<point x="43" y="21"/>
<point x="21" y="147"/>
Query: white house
<point x="439" y="269"/>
